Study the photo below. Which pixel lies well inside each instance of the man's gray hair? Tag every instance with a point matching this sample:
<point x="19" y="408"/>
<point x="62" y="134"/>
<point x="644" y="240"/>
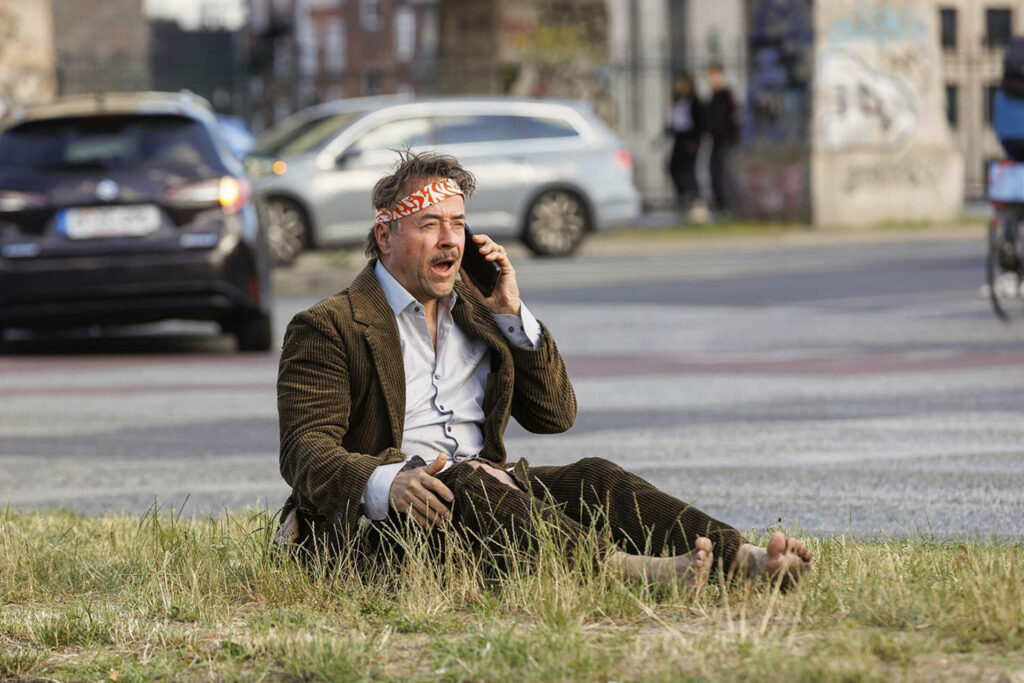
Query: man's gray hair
<point x="411" y="172"/>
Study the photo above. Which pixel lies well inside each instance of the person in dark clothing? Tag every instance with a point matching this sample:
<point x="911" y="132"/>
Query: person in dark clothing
<point x="686" y="126"/>
<point x="721" y="124"/>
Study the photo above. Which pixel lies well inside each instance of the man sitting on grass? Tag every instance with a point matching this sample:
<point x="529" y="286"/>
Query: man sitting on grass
<point x="394" y="394"/>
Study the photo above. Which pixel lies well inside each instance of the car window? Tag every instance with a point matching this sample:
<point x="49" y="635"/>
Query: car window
<point x="304" y="136"/>
<point x="543" y="127"/>
<point x="454" y="130"/>
<point x="396" y="134"/>
<point x="108" y="142"/>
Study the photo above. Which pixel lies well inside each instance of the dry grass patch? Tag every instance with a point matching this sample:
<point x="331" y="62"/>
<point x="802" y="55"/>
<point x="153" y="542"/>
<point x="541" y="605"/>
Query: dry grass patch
<point x="183" y="599"/>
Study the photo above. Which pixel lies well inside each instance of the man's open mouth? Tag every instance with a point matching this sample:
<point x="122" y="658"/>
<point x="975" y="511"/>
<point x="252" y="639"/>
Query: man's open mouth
<point x="445" y="265"/>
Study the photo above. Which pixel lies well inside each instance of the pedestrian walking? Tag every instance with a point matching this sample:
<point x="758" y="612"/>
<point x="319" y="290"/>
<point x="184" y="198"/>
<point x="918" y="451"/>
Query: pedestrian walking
<point x="685" y="126"/>
<point x="724" y="131"/>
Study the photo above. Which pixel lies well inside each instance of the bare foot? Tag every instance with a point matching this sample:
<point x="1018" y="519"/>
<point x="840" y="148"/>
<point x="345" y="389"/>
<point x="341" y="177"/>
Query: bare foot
<point x="693" y="568"/>
<point x="785" y="558"/>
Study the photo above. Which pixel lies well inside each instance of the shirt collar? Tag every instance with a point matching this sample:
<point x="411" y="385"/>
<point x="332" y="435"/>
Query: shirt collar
<point x="398" y="297"/>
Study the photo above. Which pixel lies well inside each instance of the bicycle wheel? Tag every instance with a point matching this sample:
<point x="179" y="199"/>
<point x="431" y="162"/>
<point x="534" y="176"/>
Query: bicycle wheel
<point x="1002" y="272"/>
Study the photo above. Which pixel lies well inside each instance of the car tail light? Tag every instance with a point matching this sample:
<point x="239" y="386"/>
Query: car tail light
<point x="12" y="202"/>
<point x="227" y="192"/>
<point x="623" y="158"/>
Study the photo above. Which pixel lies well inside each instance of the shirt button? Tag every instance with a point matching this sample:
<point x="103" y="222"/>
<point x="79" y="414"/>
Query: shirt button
<point x="449" y="429"/>
<point x="437" y="376"/>
<point x="441" y="407"/>
<point x="417" y="309"/>
<point x="511" y="329"/>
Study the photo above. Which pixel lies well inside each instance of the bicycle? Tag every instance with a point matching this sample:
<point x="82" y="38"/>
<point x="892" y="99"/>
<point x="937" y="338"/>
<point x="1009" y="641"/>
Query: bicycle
<point x="1003" y="266"/>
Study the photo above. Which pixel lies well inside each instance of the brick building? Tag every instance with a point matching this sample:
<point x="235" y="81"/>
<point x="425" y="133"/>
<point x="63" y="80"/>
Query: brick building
<point x="307" y="51"/>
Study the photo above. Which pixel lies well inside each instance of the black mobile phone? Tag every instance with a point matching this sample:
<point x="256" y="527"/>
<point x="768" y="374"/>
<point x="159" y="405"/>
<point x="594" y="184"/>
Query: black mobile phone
<point x="482" y="272"/>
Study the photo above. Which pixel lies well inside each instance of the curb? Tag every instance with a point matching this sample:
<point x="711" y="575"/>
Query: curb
<point x="324" y="272"/>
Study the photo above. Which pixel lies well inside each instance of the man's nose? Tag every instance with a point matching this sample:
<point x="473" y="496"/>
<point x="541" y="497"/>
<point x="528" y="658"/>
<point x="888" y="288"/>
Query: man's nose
<point x="450" y="234"/>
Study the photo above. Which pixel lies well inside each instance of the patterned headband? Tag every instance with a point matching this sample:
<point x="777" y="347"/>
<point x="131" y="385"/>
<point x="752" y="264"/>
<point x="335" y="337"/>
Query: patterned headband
<point x="429" y="194"/>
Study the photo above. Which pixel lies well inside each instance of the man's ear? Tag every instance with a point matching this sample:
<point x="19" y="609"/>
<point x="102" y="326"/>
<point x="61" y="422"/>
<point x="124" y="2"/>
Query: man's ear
<point x="382" y="233"/>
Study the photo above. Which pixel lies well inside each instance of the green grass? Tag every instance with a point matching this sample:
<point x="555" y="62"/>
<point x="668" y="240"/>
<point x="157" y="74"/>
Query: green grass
<point x="181" y="599"/>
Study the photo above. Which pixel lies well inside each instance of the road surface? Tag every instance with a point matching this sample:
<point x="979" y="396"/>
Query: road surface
<point x="848" y="388"/>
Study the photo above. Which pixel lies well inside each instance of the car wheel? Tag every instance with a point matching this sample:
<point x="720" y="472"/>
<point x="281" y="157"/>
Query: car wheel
<point x="556" y="223"/>
<point x="254" y="332"/>
<point x="287" y="230"/>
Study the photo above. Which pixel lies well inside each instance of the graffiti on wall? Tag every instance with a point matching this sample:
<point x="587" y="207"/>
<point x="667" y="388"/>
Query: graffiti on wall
<point x="918" y="171"/>
<point x="863" y="107"/>
<point x="778" y="89"/>
<point x="881" y="23"/>
<point x="775" y="192"/>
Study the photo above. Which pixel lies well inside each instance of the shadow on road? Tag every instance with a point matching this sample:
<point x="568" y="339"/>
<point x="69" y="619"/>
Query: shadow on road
<point x="134" y="340"/>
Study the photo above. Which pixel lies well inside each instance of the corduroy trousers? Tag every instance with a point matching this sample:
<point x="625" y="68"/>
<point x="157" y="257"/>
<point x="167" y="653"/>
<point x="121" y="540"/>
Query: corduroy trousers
<point x="629" y="513"/>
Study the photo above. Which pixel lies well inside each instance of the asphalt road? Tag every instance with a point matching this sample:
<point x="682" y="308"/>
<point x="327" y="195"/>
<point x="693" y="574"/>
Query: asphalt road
<point x="850" y="388"/>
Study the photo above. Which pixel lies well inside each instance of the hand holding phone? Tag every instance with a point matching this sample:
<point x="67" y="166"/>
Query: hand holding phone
<point x="483" y="273"/>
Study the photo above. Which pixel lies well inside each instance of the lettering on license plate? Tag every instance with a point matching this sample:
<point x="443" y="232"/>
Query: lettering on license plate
<point x="110" y="221"/>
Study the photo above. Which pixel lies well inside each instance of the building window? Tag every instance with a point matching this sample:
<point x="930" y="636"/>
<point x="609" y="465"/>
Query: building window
<point x="369" y="15"/>
<point x="947" y="28"/>
<point x="307" y="49"/>
<point x="334" y="45"/>
<point x="990" y="101"/>
<point x="374" y="83"/>
<point x="952" y="104"/>
<point x="283" y="59"/>
<point x="998" y="27"/>
<point x="405" y="34"/>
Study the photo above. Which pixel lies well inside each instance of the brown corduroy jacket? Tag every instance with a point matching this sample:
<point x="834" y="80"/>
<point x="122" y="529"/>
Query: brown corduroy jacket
<point x="341" y="395"/>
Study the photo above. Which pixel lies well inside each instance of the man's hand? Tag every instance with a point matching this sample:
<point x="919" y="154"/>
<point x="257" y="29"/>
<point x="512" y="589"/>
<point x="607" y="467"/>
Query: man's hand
<point x="499" y="474"/>
<point x="413" y="491"/>
<point x="505" y="297"/>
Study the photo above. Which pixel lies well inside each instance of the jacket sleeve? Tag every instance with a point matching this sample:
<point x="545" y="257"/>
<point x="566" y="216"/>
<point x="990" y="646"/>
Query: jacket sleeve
<point x="313" y="404"/>
<point x="543" y="400"/>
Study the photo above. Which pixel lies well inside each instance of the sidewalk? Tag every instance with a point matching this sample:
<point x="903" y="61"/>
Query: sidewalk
<point x="323" y="272"/>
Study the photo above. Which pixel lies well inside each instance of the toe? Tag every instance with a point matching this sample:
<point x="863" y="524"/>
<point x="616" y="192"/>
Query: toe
<point x="703" y="543"/>
<point x="777" y="544"/>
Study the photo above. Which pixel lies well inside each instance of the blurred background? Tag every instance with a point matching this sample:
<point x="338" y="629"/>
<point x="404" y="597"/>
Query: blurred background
<point x="827" y="94"/>
<point x="864" y="367"/>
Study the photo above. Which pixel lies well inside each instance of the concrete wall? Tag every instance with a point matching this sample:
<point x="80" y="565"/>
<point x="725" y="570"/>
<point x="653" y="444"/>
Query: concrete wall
<point x="27" y="58"/>
<point x="772" y="170"/>
<point x="882" y="149"/>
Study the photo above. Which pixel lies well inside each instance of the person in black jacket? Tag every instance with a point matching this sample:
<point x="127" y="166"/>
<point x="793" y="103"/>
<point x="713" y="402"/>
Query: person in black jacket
<point x="686" y="126"/>
<point x="721" y="124"/>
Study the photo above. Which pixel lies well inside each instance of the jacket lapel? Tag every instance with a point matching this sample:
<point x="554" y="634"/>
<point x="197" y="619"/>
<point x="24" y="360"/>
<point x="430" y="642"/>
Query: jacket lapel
<point x="469" y="319"/>
<point x="370" y="307"/>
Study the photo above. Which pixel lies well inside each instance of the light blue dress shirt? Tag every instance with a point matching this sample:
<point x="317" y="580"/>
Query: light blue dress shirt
<point x="444" y="391"/>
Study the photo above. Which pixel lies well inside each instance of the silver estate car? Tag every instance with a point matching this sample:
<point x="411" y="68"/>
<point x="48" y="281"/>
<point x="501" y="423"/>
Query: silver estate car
<point x="548" y="171"/>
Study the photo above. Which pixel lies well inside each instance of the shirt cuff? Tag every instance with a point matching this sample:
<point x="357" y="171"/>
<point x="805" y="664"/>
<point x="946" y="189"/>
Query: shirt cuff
<point x="378" y="489"/>
<point x="523" y="330"/>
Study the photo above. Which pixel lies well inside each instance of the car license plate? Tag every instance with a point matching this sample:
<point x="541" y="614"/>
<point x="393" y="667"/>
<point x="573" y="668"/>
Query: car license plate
<point x="110" y="221"/>
<point x="1006" y="181"/>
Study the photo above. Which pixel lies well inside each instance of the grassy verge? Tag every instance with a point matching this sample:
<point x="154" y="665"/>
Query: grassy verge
<point x="165" y="598"/>
<point x="750" y="228"/>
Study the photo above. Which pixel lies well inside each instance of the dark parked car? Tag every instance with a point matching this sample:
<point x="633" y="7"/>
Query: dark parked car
<point x="129" y="208"/>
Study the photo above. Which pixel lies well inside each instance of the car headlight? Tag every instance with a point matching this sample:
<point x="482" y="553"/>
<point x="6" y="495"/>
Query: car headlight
<point x="258" y="167"/>
<point x="12" y="201"/>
